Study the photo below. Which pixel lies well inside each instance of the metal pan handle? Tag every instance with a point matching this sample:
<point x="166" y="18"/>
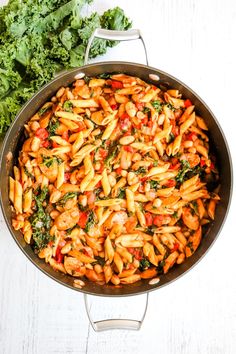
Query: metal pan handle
<point x="108" y="324"/>
<point x="115" y="36"/>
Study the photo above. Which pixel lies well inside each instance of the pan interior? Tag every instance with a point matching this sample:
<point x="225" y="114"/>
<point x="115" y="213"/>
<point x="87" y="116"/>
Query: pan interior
<point x="13" y="142"/>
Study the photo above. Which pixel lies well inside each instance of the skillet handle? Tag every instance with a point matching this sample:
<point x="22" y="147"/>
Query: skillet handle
<point x="115" y="36"/>
<point x="108" y="324"/>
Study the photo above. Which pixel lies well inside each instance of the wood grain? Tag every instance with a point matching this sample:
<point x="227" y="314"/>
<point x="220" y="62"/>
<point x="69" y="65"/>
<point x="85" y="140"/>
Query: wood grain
<point x="193" y="40"/>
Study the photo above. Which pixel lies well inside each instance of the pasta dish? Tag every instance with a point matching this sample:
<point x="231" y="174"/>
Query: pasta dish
<point x="115" y="181"/>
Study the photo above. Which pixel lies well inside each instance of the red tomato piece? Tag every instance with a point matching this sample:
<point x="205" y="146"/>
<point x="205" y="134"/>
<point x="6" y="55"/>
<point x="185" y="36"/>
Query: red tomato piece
<point x="45" y="143"/>
<point x="149" y="219"/>
<point x="116" y="84"/>
<point x="67" y="176"/>
<point x="158" y="220"/>
<point x="82" y="219"/>
<point x="114" y="106"/>
<point x="202" y="162"/>
<point x="98" y="185"/>
<point x="59" y="256"/>
<point x="103" y="153"/>
<point x="128" y="148"/>
<point x="118" y="170"/>
<point x="170" y="183"/>
<point x="191" y="136"/>
<point x="54" y="144"/>
<point x="144" y="120"/>
<point x="65" y="135"/>
<point x="176" y="247"/>
<point x="42" y="133"/>
<point x="187" y="103"/>
<point x="212" y="166"/>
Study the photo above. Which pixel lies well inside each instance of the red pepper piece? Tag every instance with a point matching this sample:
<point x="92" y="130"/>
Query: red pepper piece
<point x="149" y="219"/>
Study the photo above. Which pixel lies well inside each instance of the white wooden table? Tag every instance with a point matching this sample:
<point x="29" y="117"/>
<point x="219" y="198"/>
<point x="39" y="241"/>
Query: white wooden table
<point x="193" y="40"/>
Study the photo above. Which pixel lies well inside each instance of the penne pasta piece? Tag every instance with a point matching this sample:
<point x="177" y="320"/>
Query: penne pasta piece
<point x="109" y="250"/>
<point x="68" y="115"/>
<point x="88" y="166"/>
<point x="93" y="183"/>
<point x="157" y="170"/>
<point x="118" y="262"/>
<point x="109" y="202"/>
<point x="140" y="215"/>
<point x="11" y="189"/>
<point x="130" y="200"/>
<point x="60" y="175"/>
<point x="109" y="129"/>
<point x="167" y="229"/>
<point x="85" y="103"/>
<point x="18" y="197"/>
<point x="86" y="180"/>
<point x="59" y="140"/>
<point x="187" y="124"/>
<point x="105" y="183"/>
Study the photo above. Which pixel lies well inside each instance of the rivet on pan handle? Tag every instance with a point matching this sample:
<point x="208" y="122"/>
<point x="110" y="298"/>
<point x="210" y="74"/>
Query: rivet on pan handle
<point x="115" y="36"/>
<point x="115" y="323"/>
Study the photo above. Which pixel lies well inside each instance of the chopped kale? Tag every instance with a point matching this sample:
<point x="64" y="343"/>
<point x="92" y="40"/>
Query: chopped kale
<point x="170" y="106"/>
<point x="90" y="221"/>
<point x="157" y="105"/>
<point x="67" y="106"/>
<point x="104" y="76"/>
<point x="28" y="173"/>
<point x="44" y="110"/>
<point x="48" y="161"/>
<point x="52" y="127"/>
<point x="121" y="194"/>
<point x="66" y="197"/>
<point x="185" y="167"/>
<point x="99" y="260"/>
<point x="144" y="264"/>
<point x="175" y="215"/>
<point x="171" y="137"/>
<point x="154" y="184"/>
<point x="141" y="170"/>
<point x="113" y="148"/>
<point x="40" y="222"/>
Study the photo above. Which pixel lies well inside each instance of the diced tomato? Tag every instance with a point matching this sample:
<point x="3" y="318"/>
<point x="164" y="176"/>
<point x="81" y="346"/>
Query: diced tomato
<point x="103" y="153"/>
<point x="128" y="148"/>
<point x="98" y="185"/>
<point x="187" y="103"/>
<point x="116" y="84"/>
<point x="118" y="170"/>
<point x="114" y="106"/>
<point x="212" y="166"/>
<point x="149" y="219"/>
<point x="81" y="126"/>
<point x="135" y="252"/>
<point x="42" y="133"/>
<point x="45" y="143"/>
<point x="59" y="256"/>
<point x="82" y="219"/>
<point x="54" y="144"/>
<point x="50" y="244"/>
<point x="174" y="167"/>
<point x="65" y="135"/>
<point x="67" y="176"/>
<point x="170" y="183"/>
<point x="145" y="120"/>
<point x="139" y="105"/>
<point x="202" y="162"/>
<point x="176" y="247"/>
<point x="191" y="136"/>
<point x="158" y="220"/>
<point x="150" y="124"/>
<point x="124" y="116"/>
<point x="143" y="179"/>
<point x="154" y="87"/>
